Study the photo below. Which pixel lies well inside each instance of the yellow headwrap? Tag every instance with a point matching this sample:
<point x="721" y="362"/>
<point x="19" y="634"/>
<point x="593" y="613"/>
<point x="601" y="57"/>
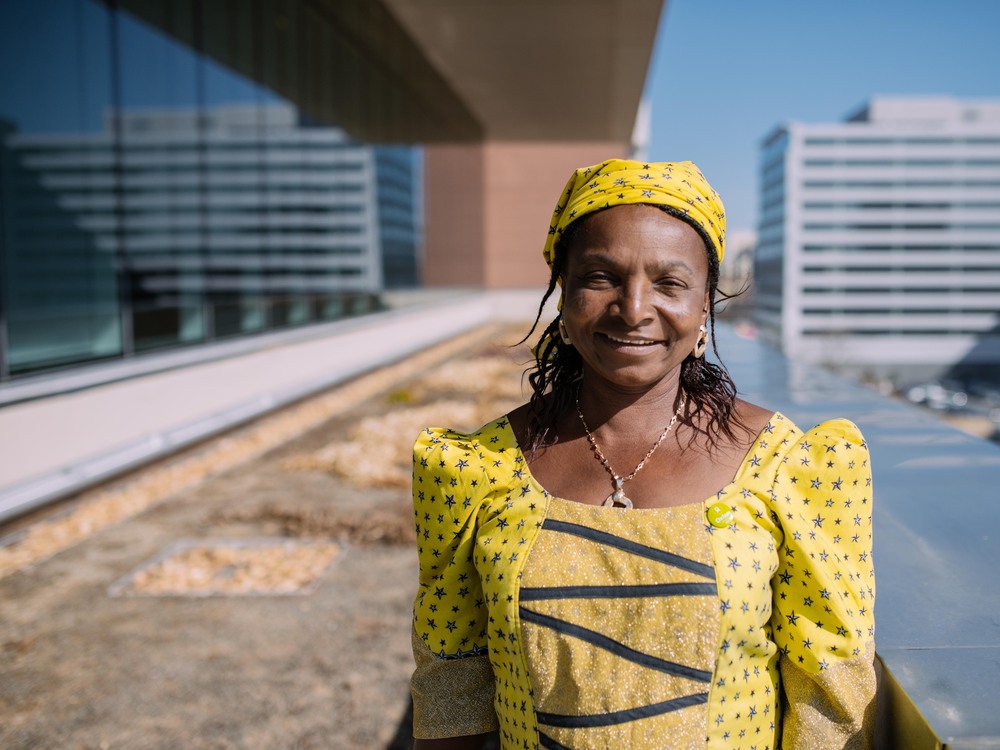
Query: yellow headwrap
<point x="679" y="186"/>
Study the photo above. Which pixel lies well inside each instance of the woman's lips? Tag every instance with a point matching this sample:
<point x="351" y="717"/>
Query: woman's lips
<point x="628" y="343"/>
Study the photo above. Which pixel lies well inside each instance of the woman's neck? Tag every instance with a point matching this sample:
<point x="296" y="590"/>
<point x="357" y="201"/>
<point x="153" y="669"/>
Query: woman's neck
<point x="606" y="406"/>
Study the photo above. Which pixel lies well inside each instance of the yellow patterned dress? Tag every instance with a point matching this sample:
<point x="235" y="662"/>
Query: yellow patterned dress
<point x="743" y="622"/>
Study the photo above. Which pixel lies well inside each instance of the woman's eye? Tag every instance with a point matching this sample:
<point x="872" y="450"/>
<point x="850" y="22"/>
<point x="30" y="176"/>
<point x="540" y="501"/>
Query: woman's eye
<point x="671" y="282"/>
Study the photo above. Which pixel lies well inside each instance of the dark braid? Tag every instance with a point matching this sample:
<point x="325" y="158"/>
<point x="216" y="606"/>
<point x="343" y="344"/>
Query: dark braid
<point x="707" y="386"/>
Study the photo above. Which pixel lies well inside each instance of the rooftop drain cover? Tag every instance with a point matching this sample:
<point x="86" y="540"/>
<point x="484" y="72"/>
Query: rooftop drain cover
<point x="231" y="567"/>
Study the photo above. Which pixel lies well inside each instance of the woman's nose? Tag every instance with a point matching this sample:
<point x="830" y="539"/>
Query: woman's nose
<point x="633" y="307"/>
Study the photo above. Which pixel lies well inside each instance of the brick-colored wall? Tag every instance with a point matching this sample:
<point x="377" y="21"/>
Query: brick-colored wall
<point x="510" y="189"/>
<point x="453" y="205"/>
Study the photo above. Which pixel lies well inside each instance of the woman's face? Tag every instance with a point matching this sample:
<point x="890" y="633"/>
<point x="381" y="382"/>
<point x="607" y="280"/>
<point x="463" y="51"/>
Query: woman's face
<point x="635" y="292"/>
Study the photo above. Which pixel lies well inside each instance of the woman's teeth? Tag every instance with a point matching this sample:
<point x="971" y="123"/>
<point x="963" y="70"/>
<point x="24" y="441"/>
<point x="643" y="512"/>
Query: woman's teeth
<point x="632" y="342"/>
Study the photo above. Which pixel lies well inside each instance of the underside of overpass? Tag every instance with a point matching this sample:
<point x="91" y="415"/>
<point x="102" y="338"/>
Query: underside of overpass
<point x="553" y="86"/>
<point x="507" y="97"/>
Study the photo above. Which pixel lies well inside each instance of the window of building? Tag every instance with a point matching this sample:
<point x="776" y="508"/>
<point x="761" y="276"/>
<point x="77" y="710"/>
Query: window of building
<point x="162" y="194"/>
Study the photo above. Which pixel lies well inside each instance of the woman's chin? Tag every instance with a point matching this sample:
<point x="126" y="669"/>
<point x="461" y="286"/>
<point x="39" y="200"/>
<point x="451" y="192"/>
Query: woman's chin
<point x="636" y="377"/>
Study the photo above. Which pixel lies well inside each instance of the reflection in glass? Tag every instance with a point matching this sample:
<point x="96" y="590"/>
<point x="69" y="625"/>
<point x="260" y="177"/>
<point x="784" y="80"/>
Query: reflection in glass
<point x="157" y="125"/>
<point x="60" y="284"/>
<point x="160" y="196"/>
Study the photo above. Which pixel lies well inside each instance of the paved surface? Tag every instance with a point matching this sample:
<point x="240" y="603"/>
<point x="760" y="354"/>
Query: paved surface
<point x="174" y="627"/>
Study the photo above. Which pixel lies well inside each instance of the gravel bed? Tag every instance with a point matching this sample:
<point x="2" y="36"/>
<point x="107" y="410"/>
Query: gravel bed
<point x="231" y="568"/>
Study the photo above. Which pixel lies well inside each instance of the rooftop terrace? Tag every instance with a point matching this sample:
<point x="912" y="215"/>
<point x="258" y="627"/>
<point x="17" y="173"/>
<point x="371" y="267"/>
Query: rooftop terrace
<point x="254" y="588"/>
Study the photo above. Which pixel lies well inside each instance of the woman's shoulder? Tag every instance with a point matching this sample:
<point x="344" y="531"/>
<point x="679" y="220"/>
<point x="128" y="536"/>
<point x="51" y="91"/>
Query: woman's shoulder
<point x="456" y="473"/>
<point x="828" y="434"/>
<point x="760" y="421"/>
<point x="751" y="426"/>
<point x="752" y="417"/>
<point x="493" y="434"/>
<point x="449" y="451"/>
<point x="777" y="443"/>
<point x="831" y="453"/>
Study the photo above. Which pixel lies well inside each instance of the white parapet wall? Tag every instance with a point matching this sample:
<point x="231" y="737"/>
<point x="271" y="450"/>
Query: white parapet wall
<point x="65" y="432"/>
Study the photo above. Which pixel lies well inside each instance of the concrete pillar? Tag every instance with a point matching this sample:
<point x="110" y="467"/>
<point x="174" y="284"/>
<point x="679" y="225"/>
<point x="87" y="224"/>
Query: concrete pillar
<point x="488" y="208"/>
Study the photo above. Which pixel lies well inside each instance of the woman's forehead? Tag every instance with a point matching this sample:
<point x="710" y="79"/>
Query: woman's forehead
<point x="638" y="230"/>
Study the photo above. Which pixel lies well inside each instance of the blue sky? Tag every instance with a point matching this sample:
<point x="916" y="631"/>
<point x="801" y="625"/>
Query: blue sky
<point x="726" y="72"/>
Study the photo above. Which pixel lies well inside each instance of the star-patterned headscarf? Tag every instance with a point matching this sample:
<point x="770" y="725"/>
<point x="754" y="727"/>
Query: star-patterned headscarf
<point x="680" y="186"/>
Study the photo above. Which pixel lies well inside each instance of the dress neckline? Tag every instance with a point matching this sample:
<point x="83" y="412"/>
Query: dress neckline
<point x="731" y="487"/>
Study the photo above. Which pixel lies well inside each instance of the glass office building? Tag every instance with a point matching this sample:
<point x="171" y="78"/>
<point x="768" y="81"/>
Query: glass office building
<point x="159" y="189"/>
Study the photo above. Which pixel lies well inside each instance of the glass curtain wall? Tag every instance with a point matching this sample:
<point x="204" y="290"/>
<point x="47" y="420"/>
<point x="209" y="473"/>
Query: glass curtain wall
<point x="153" y="194"/>
<point x="61" y="289"/>
<point x="161" y="192"/>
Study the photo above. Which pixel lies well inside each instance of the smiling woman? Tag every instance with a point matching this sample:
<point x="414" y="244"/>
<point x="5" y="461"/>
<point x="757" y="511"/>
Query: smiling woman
<point x="638" y="558"/>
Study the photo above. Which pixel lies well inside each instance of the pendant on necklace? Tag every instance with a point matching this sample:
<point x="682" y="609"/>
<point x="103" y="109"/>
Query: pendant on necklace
<point x="617" y="498"/>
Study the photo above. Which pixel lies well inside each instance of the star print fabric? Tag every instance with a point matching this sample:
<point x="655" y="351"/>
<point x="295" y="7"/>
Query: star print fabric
<point x="679" y="186"/>
<point x="569" y="625"/>
<point x="477" y="510"/>
<point x="824" y="624"/>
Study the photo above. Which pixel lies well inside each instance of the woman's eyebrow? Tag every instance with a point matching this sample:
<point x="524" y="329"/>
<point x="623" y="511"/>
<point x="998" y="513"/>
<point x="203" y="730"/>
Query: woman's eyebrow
<point x="676" y="264"/>
<point x="596" y="256"/>
<point x="600" y="258"/>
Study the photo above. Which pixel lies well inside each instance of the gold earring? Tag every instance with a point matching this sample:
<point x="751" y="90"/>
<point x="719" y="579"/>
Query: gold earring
<point x="702" y="344"/>
<point x="563" y="333"/>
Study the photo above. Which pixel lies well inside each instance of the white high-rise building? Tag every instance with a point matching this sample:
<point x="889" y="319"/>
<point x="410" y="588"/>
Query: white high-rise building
<point x="879" y="238"/>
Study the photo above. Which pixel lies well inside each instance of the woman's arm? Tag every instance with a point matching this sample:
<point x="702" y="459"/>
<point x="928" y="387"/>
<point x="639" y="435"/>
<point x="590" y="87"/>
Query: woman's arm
<point x="472" y="742"/>
<point x="824" y="590"/>
<point x="453" y="684"/>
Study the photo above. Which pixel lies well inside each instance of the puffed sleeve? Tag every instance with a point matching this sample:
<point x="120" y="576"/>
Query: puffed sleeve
<point x="824" y="590"/>
<point x="452" y="685"/>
